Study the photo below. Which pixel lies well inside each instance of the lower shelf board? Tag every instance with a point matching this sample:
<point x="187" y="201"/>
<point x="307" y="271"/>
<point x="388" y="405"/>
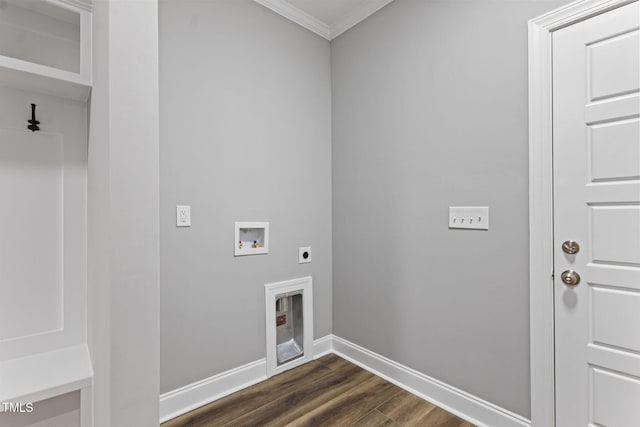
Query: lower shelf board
<point x="45" y="375"/>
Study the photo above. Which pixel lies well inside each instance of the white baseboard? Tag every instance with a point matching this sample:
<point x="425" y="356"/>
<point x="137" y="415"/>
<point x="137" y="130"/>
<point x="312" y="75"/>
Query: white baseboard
<point x="322" y="346"/>
<point x="192" y="396"/>
<point x="451" y="399"/>
<point x="458" y="402"/>
<point x="184" y="399"/>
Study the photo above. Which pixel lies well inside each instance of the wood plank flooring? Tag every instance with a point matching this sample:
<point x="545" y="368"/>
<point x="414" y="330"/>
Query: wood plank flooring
<point x="329" y="391"/>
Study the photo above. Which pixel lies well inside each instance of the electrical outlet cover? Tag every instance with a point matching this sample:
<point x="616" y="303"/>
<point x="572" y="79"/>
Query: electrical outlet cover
<point x="304" y="255"/>
<point x="183" y="216"/>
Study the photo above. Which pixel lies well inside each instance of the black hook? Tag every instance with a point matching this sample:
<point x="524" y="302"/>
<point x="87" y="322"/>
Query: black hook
<point x="33" y="126"/>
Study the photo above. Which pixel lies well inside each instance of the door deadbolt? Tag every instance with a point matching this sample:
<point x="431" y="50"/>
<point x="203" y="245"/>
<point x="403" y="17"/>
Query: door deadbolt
<point x="570" y="278"/>
<point x="570" y="247"/>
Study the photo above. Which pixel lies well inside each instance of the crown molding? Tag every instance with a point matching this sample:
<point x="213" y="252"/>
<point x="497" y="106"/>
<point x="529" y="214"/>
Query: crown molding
<point x="298" y="16"/>
<point x="356" y="16"/>
<point x="80" y="4"/>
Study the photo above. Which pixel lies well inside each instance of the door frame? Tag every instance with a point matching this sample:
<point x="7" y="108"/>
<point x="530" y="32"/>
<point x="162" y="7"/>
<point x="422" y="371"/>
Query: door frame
<point x="541" y="303"/>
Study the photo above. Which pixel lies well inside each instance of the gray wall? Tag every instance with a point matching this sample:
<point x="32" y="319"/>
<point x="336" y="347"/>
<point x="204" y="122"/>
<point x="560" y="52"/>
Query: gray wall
<point x="124" y="237"/>
<point x="430" y="111"/>
<point x="245" y="136"/>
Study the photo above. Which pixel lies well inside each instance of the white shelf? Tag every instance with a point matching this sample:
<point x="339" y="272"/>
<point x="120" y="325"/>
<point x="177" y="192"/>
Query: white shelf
<point x="42" y="79"/>
<point x="45" y="375"/>
<point x="46" y="47"/>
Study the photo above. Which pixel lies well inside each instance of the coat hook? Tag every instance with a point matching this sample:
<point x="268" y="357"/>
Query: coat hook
<point x="33" y="126"/>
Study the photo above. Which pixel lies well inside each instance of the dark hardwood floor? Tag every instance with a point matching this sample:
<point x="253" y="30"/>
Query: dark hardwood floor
<point x="329" y="391"/>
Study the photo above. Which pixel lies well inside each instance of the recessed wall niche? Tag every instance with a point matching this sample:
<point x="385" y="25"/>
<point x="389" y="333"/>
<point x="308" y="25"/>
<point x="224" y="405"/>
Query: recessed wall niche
<point x="41" y="33"/>
<point x="32" y="228"/>
<point x="43" y="223"/>
<point x="43" y="192"/>
<point x="45" y="46"/>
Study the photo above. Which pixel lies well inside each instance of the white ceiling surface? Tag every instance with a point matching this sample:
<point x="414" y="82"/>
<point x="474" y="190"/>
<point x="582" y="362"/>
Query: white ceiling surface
<point x="327" y="18"/>
<point x="327" y="11"/>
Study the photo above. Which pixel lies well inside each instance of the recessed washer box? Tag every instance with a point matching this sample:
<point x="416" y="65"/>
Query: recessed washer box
<point x="251" y="238"/>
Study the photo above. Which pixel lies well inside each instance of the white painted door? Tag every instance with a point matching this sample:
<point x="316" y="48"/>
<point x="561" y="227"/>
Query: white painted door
<point x="596" y="78"/>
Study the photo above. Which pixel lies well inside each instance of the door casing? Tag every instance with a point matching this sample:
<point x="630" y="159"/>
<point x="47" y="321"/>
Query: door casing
<point x="541" y="199"/>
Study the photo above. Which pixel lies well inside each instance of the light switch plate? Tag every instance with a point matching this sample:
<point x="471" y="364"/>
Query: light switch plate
<point x="304" y="255"/>
<point x="183" y="216"/>
<point x="469" y="217"/>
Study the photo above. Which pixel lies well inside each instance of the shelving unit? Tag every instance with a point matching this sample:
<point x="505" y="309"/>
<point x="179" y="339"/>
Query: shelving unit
<point x="45" y="46"/>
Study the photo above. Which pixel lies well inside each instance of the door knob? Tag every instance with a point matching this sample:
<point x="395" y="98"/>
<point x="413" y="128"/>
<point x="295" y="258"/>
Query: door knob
<point x="570" y="247"/>
<point x="570" y="278"/>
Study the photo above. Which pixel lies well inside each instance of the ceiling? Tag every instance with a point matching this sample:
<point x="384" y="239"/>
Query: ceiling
<point x="328" y="11"/>
<point x="327" y="18"/>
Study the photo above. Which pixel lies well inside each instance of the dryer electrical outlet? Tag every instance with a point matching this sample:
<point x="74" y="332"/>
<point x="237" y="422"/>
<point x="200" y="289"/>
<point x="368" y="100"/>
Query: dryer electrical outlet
<point x="304" y="255"/>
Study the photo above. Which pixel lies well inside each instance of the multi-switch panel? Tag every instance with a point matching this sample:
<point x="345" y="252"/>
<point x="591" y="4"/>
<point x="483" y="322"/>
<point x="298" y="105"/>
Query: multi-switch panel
<point x="471" y="217"/>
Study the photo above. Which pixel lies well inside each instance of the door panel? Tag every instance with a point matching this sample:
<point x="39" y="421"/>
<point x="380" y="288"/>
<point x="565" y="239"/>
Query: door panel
<point x="614" y="151"/>
<point x="614" y="234"/>
<point x="611" y="109"/>
<point x="615" y="398"/>
<point x="615" y="316"/>
<point x="596" y="148"/>
<point x="606" y="77"/>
